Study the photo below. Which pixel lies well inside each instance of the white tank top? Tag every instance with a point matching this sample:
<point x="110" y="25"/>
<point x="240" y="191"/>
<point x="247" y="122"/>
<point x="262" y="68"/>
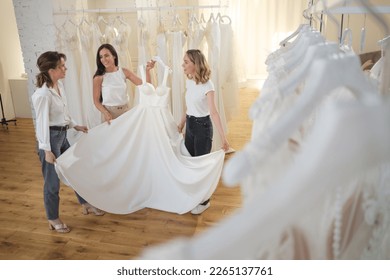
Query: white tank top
<point x="114" y="89"/>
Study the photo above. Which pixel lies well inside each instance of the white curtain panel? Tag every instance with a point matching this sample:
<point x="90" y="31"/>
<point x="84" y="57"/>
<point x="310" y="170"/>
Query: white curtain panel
<point x="259" y="27"/>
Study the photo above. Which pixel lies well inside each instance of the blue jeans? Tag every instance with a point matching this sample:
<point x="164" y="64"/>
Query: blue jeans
<point x="199" y="135"/>
<point x="59" y="144"/>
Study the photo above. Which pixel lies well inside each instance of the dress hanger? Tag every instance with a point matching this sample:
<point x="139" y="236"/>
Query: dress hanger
<point x="292" y="53"/>
<point x="176" y="23"/>
<point x="212" y="18"/>
<point x="141" y="21"/>
<point x="363" y="36"/>
<point x="301" y="70"/>
<point x="298" y="52"/>
<point x="84" y="20"/>
<point x="120" y="21"/>
<point x="202" y="19"/>
<point x="101" y="19"/>
<point x="161" y="62"/>
<point x="292" y="35"/>
<point x="346" y="40"/>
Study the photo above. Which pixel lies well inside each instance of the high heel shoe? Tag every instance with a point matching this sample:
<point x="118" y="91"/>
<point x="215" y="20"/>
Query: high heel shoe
<point x="59" y="227"/>
<point x="88" y="208"/>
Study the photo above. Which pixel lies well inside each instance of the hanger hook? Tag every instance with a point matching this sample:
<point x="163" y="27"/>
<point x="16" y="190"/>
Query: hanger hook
<point x="376" y="16"/>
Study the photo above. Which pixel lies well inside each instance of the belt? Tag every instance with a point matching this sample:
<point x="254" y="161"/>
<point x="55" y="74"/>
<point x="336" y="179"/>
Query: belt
<point x="59" y="128"/>
<point x="120" y="107"/>
<point x="198" y="118"/>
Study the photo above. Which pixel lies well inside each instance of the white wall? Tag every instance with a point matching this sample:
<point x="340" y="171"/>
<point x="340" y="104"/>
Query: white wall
<point x="36" y="33"/>
<point x="11" y="61"/>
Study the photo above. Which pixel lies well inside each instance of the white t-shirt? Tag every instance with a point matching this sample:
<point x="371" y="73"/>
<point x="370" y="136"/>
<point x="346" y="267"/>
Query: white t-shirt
<point x="114" y="88"/>
<point x="196" y="98"/>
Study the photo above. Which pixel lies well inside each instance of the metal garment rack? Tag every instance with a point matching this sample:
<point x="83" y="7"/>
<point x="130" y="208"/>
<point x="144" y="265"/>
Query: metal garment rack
<point x="4" y="122"/>
<point x="349" y="10"/>
<point x="134" y="9"/>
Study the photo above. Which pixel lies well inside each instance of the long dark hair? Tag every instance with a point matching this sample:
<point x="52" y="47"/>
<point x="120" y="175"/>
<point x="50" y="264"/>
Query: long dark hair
<point x="100" y="67"/>
<point x="46" y="61"/>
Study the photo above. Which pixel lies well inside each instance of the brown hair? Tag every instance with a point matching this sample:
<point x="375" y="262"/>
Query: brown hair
<point x="202" y="68"/>
<point x="46" y="61"/>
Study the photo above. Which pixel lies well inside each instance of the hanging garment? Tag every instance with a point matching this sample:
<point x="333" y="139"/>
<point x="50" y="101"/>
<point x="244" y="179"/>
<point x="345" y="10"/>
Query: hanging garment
<point x="91" y="113"/>
<point x="143" y="52"/>
<point x="121" y="44"/>
<point x="162" y="52"/>
<point x="213" y="36"/>
<point x="178" y="81"/>
<point x="72" y="83"/>
<point x="140" y="160"/>
<point x="228" y="71"/>
<point x="98" y="38"/>
<point x="196" y="36"/>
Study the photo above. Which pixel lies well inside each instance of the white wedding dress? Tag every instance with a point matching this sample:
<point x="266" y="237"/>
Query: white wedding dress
<point x="140" y="160"/>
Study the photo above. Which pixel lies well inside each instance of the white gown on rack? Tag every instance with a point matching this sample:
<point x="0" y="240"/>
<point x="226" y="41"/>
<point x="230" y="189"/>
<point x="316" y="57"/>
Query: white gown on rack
<point x="178" y="81"/>
<point x="91" y="113"/>
<point x="72" y="82"/>
<point x="162" y="51"/>
<point x="121" y="44"/>
<point x="213" y="37"/>
<point x="228" y="71"/>
<point x="140" y="161"/>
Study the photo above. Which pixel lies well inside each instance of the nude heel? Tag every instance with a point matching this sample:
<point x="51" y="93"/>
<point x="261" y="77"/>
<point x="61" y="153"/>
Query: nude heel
<point x="88" y="208"/>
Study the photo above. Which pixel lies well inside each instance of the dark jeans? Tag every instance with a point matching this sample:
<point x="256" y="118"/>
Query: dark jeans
<point x="199" y="135"/>
<point x="59" y="144"/>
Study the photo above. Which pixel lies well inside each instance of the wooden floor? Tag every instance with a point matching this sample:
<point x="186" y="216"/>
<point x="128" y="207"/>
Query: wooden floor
<point x="24" y="233"/>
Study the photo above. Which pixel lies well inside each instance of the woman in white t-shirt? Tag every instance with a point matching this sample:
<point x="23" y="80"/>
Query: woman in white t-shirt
<point x="201" y="110"/>
<point x="109" y="83"/>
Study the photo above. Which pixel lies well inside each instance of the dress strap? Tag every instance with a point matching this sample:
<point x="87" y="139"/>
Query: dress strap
<point x="167" y="70"/>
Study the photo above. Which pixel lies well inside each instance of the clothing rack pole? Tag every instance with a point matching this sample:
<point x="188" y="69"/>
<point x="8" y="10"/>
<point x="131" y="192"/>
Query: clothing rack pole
<point x="341" y="28"/>
<point x="4" y="121"/>
<point x="134" y="9"/>
<point x="311" y="3"/>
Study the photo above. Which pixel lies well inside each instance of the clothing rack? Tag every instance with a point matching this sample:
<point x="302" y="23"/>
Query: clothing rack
<point x="374" y="10"/>
<point x="4" y="122"/>
<point x="135" y="9"/>
<point x="359" y="10"/>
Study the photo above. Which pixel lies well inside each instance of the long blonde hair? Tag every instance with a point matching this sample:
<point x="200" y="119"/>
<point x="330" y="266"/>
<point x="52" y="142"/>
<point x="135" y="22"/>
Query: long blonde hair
<point x="202" y="68"/>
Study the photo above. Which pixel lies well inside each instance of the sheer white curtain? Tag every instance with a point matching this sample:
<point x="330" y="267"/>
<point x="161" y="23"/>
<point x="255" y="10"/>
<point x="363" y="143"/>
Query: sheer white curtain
<point x="259" y="26"/>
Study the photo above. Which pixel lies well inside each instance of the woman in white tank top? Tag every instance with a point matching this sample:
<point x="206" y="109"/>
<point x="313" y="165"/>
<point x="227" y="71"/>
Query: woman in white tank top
<point x="109" y="83"/>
